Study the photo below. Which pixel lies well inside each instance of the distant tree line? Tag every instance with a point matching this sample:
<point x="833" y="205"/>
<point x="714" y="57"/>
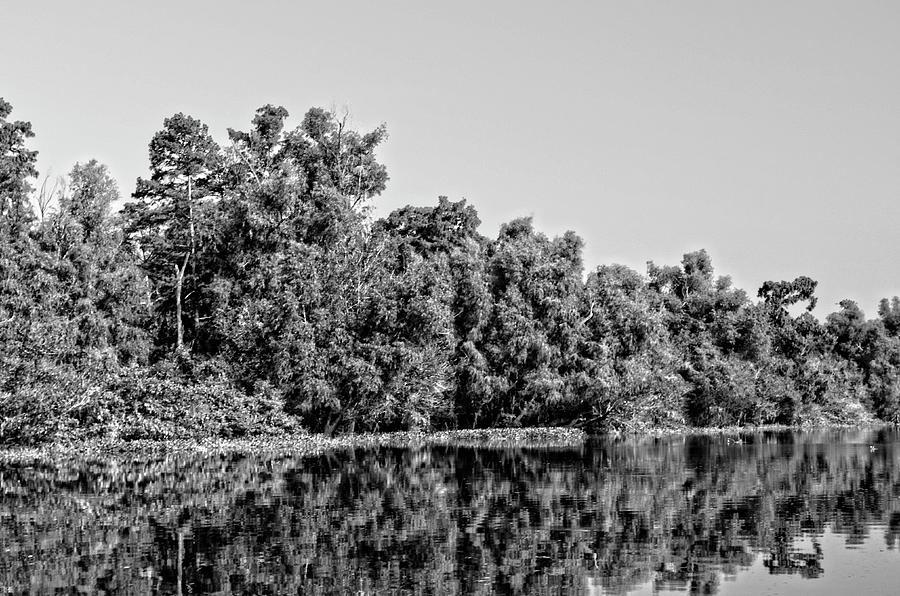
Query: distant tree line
<point x="247" y="289"/>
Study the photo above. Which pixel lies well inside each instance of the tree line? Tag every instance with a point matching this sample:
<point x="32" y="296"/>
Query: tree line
<point x="248" y="289"/>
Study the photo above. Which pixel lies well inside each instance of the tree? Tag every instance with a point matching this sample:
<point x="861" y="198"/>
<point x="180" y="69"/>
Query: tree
<point x="872" y="347"/>
<point x="630" y="364"/>
<point x="74" y="300"/>
<point x="444" y="239"/>
<point x="309" y="185"/>
<point x="166" y="218"/>
<point x="91" y="192"/>
<point x="522" y="366"/>
<point x="781" y="294"/>
<point x="312" y="299"/>
<point x="889" y="312"/>
<point x="17" y="165"/>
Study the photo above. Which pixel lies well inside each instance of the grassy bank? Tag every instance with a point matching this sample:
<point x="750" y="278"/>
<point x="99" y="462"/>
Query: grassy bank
<point x="301" y="443"/>
<point x="308" y="444"/>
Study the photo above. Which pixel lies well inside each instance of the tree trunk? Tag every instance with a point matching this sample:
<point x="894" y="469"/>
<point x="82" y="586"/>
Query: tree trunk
<point x="179" y="282"/>
<point x="196" y="314"/>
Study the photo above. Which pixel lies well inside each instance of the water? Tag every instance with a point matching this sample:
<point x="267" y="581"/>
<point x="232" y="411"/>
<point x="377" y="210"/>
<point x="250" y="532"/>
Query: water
<point x="777" y="513"/>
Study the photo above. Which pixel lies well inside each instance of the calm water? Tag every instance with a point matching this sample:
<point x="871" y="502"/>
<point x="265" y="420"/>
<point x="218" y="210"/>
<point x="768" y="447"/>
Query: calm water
<point x="778" y="513"/>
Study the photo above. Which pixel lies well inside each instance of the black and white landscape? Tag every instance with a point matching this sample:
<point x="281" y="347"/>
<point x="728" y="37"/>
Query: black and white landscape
<point x="598" y="298"/>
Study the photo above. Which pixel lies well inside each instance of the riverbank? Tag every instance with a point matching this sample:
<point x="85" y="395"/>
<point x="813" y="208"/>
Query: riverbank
<point x="747" y="430"/>
<point x="304" y="443"/>
<point x="308" y="444"/>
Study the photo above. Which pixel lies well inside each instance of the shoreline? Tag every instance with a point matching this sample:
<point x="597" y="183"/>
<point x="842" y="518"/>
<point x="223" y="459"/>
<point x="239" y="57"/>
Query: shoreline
<point x="745" y="430"/>
<point x="306" y="444"/>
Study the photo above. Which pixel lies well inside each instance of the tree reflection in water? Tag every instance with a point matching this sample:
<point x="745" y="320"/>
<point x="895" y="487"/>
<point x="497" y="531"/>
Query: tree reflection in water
<point x="679" y="512"/>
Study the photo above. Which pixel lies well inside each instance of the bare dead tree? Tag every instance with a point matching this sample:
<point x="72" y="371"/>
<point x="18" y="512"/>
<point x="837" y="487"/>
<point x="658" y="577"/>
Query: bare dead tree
<point x="48" y="194"/>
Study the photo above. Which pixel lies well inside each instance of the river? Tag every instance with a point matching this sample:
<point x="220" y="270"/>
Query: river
<point x="763" y="513"/>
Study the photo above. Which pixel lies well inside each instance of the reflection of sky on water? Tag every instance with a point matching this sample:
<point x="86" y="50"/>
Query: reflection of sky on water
<point x="868" y="569"/>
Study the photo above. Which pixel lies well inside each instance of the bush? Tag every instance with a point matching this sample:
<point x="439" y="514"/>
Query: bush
<point x="724" y="393"/>
<point x="173" y="400"/>
<point x="58" y="407"/>
<point x="161" y="405"/>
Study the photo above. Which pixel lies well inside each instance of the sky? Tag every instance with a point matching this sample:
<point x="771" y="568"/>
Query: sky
<point x="765" y="131"/>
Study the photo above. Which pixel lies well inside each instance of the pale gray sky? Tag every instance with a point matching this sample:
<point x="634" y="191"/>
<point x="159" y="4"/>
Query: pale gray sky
<point x="767" y="132"/>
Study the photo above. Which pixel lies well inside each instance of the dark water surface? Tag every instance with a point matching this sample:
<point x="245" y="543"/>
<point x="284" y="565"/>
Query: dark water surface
<point x="777" y="513"/>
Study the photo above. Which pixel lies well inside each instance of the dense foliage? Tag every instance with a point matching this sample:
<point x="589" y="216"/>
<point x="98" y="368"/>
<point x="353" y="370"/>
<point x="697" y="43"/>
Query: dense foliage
<point x="251" y="282"/>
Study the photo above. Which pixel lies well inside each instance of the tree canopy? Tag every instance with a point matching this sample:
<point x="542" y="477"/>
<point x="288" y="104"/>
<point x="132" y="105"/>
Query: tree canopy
<point x="251" y="281"/>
